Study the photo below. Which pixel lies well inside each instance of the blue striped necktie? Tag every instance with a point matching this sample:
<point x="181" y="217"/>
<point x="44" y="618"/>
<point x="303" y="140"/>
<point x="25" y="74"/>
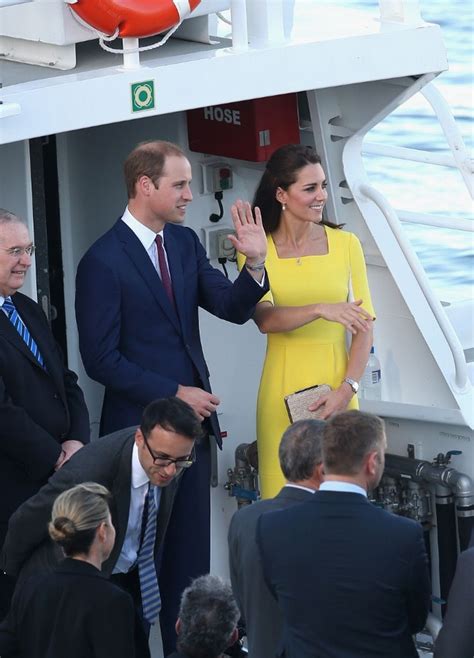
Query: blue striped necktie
<point x="151" y="600"/>
<point x="19" y="325"/>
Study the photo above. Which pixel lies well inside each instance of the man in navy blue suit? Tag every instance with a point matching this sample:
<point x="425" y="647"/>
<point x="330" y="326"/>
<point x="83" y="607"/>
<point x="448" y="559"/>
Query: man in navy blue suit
<point x="350" y="578"/>
<point x="138" y="291"/>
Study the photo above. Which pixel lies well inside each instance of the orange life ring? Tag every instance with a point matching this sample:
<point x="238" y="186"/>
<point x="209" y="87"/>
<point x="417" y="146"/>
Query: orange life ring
<point x="133" y="18"/>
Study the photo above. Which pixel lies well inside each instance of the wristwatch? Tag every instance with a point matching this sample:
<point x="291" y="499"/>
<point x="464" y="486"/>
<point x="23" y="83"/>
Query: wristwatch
<point x="352" y="383"/>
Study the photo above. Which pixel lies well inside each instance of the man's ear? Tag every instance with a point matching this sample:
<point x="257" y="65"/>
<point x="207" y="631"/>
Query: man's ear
<point x="319" y="471"/>
<point x="372" y="463"/>
<point x="144" y="185"/>
<point x="177" y="626"/>
<point x="139" y="440"/>
<point x="234" y="637"/>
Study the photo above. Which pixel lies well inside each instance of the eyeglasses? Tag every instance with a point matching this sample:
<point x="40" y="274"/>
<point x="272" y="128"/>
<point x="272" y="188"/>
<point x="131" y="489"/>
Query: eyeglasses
<point x="16" y="252"/>
<point x="164" y="462"/>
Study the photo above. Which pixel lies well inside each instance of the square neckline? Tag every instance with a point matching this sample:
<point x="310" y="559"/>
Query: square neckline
<point x="299" y="258"/>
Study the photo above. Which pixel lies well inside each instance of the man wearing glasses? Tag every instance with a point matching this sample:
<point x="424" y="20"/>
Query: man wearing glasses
<point x="141" y="467"/>
<point x="43" y="416"/>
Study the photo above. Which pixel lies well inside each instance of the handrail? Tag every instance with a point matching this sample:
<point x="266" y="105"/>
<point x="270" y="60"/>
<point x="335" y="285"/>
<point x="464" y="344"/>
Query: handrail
<point x="452" y="134"/>
<point x="455" y="223"/>
<point x="405" y="153"/>
<point x="461" y="375"/>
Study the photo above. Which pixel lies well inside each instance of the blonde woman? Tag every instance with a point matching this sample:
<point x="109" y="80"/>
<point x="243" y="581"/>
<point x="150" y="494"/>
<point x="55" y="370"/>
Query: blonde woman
<point x="74" y="611"/>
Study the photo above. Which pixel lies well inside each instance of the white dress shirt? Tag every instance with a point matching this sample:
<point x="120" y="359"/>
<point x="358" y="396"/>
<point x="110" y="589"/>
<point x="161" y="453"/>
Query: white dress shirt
<point x="298" y="486"/>
<point x="146" y="237"/>
<point x="348" y="487"/>
<point x="138" y="492"/>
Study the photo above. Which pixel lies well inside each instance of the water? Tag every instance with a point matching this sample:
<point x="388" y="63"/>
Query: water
<point x="447" y="255"/>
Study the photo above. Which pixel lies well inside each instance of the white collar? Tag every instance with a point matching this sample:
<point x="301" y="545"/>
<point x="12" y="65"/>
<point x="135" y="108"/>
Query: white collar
<point x="139" y="477"/>
<point x="348" y="487"/>
<point x="143" y="233"/>
<point x="299" y="486"/>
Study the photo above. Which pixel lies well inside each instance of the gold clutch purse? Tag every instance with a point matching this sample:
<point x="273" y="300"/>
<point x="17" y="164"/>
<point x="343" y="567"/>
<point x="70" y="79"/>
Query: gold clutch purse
<point x="297" y="403"/>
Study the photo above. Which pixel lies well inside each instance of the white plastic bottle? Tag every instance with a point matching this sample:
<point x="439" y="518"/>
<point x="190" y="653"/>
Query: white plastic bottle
<point x="371" y="383"/>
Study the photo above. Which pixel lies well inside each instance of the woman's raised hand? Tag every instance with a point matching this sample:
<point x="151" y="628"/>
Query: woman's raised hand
<point x="250" y="238"/>
<point x="350" y="314"/>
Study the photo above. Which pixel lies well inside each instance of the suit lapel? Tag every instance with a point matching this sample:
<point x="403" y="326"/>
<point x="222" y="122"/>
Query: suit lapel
<point x="142" y="262"/>
<point x="121" y="493"/>
<point x="37" y="329"/>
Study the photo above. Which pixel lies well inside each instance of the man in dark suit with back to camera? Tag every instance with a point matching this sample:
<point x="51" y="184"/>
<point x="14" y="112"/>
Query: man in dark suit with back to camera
<point x="43" y="416"/>
<point x="138" y="292"/>
<point x="351" y="579"/>
<point x="301" y="464"/>
<point x="141" y="468"/>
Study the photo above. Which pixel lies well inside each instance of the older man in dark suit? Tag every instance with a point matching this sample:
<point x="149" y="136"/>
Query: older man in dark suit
<point x="43" y="416"/>
<point x="301" y="464"/>
<point x="140" y="467"/>
<point x="138" y="293"/>
<point x="351" y="579"/>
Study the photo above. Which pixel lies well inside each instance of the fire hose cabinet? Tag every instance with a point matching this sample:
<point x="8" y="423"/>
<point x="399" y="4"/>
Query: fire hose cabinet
<point x="247" y="130"/>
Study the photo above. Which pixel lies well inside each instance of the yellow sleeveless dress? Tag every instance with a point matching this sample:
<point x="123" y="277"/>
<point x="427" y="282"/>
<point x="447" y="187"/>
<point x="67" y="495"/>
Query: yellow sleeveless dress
<point x="309" y="355"/>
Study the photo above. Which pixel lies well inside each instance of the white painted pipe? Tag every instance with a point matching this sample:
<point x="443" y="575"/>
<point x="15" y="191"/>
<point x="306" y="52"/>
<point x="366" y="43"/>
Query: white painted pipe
<point x="240" y="37"/>
<point x="131" y="60"/>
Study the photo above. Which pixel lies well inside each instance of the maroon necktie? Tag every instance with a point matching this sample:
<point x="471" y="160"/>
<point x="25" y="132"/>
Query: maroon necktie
<point x="165" y="275"/>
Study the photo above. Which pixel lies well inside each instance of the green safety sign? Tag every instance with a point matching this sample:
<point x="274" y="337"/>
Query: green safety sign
<point x="143" y="95"/>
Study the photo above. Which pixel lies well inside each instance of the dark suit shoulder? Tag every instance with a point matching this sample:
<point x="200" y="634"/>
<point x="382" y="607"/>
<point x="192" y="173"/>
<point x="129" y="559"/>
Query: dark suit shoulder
<point x="246" y="518"/>
<point x="105" y="246"/>
<point x="103" y="451"/>
<point x="184" y="237"/>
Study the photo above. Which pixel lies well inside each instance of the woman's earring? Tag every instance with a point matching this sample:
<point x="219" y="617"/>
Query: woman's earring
<point x="283" y="206"/>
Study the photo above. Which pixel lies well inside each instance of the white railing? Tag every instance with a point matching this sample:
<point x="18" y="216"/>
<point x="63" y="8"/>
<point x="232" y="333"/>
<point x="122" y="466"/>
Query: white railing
<point x="461" y="373"/>
<point x="405" y="153"/>
<point x="457" y="223"/>
<point x="452" y="134"/>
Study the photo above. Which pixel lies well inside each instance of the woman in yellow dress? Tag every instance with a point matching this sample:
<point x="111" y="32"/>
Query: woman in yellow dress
<point x="315" y="269"/>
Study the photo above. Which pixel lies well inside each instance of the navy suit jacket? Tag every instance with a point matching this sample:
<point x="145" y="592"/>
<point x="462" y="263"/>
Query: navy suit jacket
<point x="351" y="579"/>
<point x="131" y="338"/>
<point x="39" y="409"/>
<point x="258" y="607"/>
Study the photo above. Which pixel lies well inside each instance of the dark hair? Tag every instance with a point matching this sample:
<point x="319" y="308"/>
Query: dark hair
<point x="208" y="614"/>
<point x="76" y="515"/>
<point x="173" y="415"/>
<point x="148" y="159"/>
<point x="348" y="438"/>
<point x="282" y="171"/>
<point x="300" y="449"/>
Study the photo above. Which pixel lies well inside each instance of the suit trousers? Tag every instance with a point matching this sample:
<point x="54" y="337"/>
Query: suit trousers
<point x="130" y="582"/>
<point x="186" y="552"/>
